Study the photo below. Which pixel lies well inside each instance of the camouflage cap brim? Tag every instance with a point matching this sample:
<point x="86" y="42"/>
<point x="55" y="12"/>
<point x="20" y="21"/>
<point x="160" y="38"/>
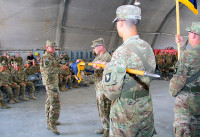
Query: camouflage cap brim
<point x="115" y="20"/>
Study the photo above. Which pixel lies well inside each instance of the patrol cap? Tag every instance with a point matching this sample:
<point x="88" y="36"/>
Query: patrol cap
<point x="63" y="61"/>
<point x="28" y="62"/>
<point x="194" y="28"/>
<point x="128" y="12"/>
<point x="17" y="63"/>
<point x="3" y="63"/>
<point x="97" y="42"/>
<point x="51" y="43"/>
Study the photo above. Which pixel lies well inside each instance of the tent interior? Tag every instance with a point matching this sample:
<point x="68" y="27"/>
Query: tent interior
<point x="25" y="25"/>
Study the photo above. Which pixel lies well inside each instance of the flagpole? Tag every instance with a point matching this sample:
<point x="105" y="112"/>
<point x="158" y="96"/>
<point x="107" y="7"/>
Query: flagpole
<point x="178" y="25"/>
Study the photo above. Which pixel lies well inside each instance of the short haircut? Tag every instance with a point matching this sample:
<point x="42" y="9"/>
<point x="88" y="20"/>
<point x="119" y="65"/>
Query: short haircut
<point x="132" y="22"/>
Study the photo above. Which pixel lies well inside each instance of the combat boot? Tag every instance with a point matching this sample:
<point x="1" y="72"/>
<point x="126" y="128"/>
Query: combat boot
<point x="86" y="85"/>
<point x="3" y="105"/>
<point x="91" y="82"/>
<point x="63" y="88"/>
<point x="16" y="100"/>
<point x="54" y="129"/>
<point x="11" y="101"/>
<point x="57" y="123"/>
<point x="24" y="98"/>
<point x="99" y="131"/>
<point x="76" y="86"/>
<point x="70" y="87"/>
<point x="32" y="96"/>
<point x="105" y="133"/>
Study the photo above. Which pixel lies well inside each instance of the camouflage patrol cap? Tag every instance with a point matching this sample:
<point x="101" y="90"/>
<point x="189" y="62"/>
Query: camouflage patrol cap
<point x="128" y="12"/>
<point x="97" y="42"/>
<point x="17" y="63"/>
<point x="28" y="62"/>
<point x="63" y="61"/>
<point x="3" y="63"/>
<point x="51" y="43"/>
<point x="194" y="28"/>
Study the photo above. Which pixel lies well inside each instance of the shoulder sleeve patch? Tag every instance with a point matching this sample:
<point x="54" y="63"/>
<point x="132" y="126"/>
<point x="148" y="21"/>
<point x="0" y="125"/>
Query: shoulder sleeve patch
<point x="107" y="77"/>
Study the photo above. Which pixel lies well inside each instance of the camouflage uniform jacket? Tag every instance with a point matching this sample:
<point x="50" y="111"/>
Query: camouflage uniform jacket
<point x="49" y="69"/>
<point x="98" y="72"/>
<point x="66" y="72"/>
<point x="19" y="59"/>
<point x="188" y="65"/>
<point x="129" y="111"/>
<point x="66" y="57"/>
<point x="7" y="77"/>
<point x="20" y="76"/>
<point x="3" y="58"/>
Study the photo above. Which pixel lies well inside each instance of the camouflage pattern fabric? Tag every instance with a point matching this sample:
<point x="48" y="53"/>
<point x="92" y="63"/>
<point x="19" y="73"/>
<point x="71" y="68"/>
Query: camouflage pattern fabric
<point x="49" y="70"/>
<point x="187" y="103"/>
<point x="130" y="116"/>
<point x="3" y="58"/>
<point x="66" y="78"/>
<point x="103" y="103"/>
<point x="19" y="59"/>
<point x="52" y="106"/>
<point x="20" y="77"/>
<point x="7" y="79"/>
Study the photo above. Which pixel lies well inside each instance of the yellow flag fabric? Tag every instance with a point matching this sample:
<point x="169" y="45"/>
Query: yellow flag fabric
<point x="191" y="4"/>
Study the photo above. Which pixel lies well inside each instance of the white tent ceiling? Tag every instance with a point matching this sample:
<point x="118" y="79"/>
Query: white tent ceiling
<point x="27" y="24"/>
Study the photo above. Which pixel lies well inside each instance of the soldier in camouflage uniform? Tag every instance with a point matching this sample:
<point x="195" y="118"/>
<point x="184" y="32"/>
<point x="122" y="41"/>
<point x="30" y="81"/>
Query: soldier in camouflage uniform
<point x="19" y="59"/>
<point x="131" y="111"/>
<point x="49" y="69"/>
<point x="21" y="78"/>
<point x="185" y="86"/>
<point x="66" y="57"/>
<point x="103" y="103"/>
<point x="8" y="84"/>
<point x="4" y="58"/>
<point x="2" y="103"/>
<point x="35" y="67"/>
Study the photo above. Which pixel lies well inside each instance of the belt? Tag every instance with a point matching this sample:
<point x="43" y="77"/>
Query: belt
<point x="134" y="94"/>
<point x="191" y="89"/>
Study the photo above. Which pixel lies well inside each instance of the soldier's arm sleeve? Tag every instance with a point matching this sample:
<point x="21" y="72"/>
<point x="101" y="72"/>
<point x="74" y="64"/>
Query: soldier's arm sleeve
<point x="113" y="76"/>
<point x="179" y="79"/>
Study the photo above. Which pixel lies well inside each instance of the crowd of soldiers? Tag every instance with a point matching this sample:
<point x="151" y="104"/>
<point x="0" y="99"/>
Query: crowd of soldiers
<point x="14" y="77"/>
<point x="166" y="63"/>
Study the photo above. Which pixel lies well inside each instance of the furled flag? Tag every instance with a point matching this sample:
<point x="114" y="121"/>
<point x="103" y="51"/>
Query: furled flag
<point x="191" y="4"/>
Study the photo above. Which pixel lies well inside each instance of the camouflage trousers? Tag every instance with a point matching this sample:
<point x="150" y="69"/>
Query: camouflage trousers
<point x="9" y="92"/>
<point x="1" y="96"/>
<point x="23" y="86"/>
<point x="65" y="80"/>
<point x="187" y="115"/>
<point x="53" y="106"/>
<point x="103" y="106"/>
<point x="132" y="118"/>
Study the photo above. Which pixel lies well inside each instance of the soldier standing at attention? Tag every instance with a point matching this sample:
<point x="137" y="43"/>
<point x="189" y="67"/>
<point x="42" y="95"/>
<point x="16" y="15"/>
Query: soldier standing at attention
<point x="131" y="111"/>
<point x="185" y="86"/>
<point x="50" y="70"/>
<point x="103" y="103"/>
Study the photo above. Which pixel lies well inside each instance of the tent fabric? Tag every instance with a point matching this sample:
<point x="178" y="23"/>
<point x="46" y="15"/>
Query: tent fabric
<point x="27" y="24"/>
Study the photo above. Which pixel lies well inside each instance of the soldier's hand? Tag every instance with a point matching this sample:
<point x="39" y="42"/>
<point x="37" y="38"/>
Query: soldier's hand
<point x="61" y="76"/>
<point x="5" y="85"/>
<point x="26" y="83"/>
<point x="95" y="64"/>
<point x="179" y="39"/>
<point x="14" y="83"/>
